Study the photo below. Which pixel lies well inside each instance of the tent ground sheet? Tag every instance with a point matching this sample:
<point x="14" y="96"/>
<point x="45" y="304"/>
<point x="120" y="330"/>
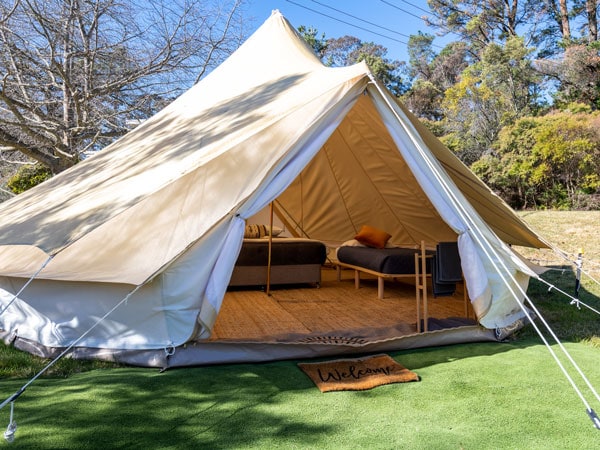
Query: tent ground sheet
<point x="334" y="313"/>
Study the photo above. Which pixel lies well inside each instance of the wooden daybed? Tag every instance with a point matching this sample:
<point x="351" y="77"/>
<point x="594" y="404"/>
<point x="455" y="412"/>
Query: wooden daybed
<point x="393" y="263"/>
<point x="293" y="261"/>
<point x="386" y="263"/>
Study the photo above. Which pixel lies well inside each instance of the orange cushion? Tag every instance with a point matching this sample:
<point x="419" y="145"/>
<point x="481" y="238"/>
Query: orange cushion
<point x="372" y="237"/>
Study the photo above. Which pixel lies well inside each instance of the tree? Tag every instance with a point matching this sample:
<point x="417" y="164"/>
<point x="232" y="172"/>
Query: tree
<point x="579" y="76"/>
<point x="79" y="73"/>
<point x="349" y="50"/>
<point x="553" y="29"/>
<point x="562" y="23"/>
<point x="491" y="93"/>
<point x="547" y="25"/>
<point x="591" y="10"/>
<point x="551" y="161"/>
<point x="311" y="36"/>
<point x="432" y="74"/>
<point x="481" y="23"/>
<point x="565" y="27"/>
<point x="586" y="11"/>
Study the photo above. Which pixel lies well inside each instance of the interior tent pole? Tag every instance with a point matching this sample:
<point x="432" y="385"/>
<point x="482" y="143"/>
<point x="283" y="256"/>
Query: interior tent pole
<point x="268" y="290"/>
<point x="488" y="251"/>
<point x="289" y="223"/>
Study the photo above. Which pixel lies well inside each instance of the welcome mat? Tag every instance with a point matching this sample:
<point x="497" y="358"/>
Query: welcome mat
<point x="357" y="374"/>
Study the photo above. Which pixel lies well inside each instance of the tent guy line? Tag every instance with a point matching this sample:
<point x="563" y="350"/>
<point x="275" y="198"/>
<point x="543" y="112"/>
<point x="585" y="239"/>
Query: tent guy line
<point x="33" y="277"/>
<point x="12" y="426"/>
<point x="574" y="300"/>
<point x="511" y="282"/>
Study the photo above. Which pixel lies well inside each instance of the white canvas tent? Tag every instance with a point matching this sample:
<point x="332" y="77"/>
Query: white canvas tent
<point x="157" y="218"/>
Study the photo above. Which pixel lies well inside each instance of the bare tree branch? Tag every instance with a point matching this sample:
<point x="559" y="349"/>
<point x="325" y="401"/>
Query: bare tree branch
<point x="78" y="73"/>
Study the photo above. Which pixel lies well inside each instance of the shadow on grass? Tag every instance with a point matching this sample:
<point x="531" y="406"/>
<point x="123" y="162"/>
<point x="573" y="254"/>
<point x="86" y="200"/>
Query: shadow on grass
<point x="229" y="406"/>
<point x="208" y="407"/>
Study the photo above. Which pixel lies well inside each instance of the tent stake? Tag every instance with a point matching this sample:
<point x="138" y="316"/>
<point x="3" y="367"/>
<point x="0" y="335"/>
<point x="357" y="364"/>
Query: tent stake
<point x="579" y="264"/>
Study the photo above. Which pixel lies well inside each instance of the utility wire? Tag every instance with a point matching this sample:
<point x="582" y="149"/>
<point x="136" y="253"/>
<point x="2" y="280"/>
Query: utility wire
<point x="447" y="30"/>
<point x="416" y="6"/>
<point x="360" y="19"/>
<point x="400" y="9"/>
<point x="347" y="23"/>
<point x="367" y="22"/>
<point x="339" y="11"/>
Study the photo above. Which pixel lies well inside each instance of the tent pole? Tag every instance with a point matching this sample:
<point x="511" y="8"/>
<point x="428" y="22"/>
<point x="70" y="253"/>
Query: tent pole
<point x="268" y="290"/>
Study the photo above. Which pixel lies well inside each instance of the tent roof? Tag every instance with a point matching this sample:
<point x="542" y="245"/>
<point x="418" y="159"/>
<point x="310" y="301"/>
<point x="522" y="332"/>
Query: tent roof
<point x="127" y="212"/>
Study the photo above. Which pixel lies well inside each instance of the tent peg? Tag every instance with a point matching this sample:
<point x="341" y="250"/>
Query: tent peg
<point x="594" y="417"/>
<point x="579" y="264"/>
<point x="9" y="434"/>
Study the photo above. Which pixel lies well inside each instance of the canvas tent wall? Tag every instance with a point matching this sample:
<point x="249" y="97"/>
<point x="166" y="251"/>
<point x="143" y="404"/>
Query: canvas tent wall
<point x="161" y="212"/>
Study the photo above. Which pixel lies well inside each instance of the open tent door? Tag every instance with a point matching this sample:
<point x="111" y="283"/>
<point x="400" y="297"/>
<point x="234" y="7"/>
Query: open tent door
<point x="359" y="177"/>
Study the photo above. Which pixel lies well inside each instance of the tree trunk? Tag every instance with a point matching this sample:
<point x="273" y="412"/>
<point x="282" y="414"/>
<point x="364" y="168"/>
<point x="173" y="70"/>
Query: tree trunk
<point x="590" y="8"/>
<point x="564" y="20"/>
<point x="511" y="16"/>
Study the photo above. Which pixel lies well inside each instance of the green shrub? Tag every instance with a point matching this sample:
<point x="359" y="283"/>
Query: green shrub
<point x="546" y="162"/>
<point x="27" y="177"/>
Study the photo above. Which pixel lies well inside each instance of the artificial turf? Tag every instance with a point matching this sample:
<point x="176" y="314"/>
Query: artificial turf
<point x="472" y="396"/>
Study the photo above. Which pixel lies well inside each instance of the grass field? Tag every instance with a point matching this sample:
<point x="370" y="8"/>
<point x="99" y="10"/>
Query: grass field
<point x="570" y="231"/>
<point x="473" y="396"/>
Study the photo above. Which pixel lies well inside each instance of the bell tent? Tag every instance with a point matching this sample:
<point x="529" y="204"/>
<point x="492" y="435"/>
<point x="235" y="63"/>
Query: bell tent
<point x="128" y="254"/>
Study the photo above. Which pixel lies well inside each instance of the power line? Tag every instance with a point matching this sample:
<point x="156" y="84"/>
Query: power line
<point x="447" y="30"/>
<point x="346" y="23"/>
<point x="360" y="19"/>
<point x="416" y="6"/>
<point x="400" y="9"/>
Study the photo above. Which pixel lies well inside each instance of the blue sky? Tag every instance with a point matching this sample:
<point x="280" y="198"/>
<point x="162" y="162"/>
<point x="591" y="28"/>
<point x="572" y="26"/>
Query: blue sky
<point x="385" y="22"/>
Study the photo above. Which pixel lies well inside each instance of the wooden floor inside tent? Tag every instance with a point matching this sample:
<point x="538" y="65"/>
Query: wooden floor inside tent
<point x="336" y="308"/>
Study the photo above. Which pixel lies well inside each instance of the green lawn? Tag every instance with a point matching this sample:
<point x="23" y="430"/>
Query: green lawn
<point x="473" y="396"/>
